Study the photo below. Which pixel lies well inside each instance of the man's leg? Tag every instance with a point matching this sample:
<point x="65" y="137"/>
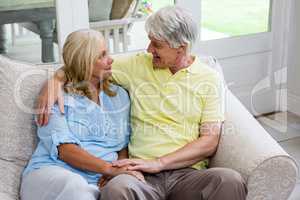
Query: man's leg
<point x="127" y="187"/>
<point x="210" y="184"/>
<point x="57" y="183"/>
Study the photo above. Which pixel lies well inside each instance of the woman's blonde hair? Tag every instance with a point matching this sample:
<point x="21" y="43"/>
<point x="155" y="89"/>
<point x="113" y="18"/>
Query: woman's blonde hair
<point x="80" y="53"/>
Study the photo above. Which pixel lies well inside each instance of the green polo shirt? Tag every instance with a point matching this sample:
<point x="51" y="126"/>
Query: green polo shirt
<point x="166" y="108"/>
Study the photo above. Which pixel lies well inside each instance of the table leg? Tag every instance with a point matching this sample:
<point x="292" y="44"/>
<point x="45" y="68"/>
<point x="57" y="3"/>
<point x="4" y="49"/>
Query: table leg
<point x="3" y="39"/>
<point x="46" y="28"/>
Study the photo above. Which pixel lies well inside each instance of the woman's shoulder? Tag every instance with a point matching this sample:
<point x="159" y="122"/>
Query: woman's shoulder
<point x="121" y="99"/>
<point x="72" y="100"/>
<point x="120" y="91"/>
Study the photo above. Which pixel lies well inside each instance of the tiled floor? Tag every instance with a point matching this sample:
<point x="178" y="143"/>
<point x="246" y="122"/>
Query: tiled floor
<point x="285" y="129"/>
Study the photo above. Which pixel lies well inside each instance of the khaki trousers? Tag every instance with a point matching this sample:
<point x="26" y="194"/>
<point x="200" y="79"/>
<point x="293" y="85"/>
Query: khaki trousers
<point x="182" y="184"/>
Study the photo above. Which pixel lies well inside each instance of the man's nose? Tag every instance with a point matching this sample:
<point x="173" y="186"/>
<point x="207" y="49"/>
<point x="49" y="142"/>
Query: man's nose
<point x="110" y="60"/>
<point x="150" y="49"/>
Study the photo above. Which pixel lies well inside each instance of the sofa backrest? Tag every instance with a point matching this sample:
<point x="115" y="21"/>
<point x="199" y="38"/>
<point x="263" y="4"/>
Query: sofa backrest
<point x="19" y="86"/>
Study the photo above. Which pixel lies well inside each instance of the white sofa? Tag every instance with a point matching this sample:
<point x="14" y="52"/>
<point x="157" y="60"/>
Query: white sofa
<point x="245" y="146"/>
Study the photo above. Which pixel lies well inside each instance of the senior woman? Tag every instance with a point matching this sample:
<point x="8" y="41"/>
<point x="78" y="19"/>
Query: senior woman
<point x="76" y="148"/>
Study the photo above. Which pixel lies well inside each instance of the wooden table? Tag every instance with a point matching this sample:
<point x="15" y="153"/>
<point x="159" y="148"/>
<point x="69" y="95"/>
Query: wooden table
<point x="40" y="12"/>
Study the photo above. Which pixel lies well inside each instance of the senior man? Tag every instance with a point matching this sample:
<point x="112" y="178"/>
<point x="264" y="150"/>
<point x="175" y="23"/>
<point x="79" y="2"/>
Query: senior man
<point x="176" y="118"/>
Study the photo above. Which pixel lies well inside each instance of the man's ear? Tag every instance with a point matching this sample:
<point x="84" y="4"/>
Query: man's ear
<point x="182" y="49"/>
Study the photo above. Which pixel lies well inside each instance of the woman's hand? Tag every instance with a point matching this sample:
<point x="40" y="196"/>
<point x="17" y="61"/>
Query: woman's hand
<point x="103" y="181"/>
<point x="115" y="171"/>
<point x="149" y="166"/>
<point x="49" y="94"/>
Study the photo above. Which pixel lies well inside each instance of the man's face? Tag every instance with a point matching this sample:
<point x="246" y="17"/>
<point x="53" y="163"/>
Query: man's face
<point x="163" y="55"/>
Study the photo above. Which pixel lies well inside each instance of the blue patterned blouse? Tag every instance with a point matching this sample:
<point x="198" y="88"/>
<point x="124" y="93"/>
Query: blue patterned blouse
<point x="100" y="130"/>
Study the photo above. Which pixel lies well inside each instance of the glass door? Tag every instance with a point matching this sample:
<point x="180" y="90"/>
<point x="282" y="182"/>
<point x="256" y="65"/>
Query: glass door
<point x="246" y="36"/>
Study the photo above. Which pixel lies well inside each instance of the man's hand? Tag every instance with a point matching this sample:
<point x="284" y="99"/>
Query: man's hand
<point x="50" y="93"/>
<point x="149" y="166"/>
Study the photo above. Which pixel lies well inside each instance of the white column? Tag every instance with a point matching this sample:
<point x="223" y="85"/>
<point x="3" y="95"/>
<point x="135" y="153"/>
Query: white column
<point x="281" y="25"/>
<point x="71" y="15"/>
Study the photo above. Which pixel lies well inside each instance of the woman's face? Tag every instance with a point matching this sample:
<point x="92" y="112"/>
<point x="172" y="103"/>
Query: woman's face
<point x="102" y="67"/>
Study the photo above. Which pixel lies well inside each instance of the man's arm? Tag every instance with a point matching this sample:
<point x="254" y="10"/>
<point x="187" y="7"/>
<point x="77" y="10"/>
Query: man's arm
<point x="50" y="93"/>
<point x="200" y="149"/>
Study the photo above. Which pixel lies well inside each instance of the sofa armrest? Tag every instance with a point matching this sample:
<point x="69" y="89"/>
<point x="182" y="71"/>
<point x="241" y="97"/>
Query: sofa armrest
<point x="245" y="146"/>
<point x="4" y="196"/>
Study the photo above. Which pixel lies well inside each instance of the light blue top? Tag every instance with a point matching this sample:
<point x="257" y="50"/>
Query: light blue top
<point x="100" y="130"/>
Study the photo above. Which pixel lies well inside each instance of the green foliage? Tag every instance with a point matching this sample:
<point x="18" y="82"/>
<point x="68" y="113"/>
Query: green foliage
<point x="231" y="17"/>
<point x="236" y="17"/>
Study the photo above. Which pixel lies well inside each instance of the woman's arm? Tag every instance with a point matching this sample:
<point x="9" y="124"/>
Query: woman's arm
<point x="81" y="159"/>
<point x="62" y="144"/>
<point x="78" y="158"/>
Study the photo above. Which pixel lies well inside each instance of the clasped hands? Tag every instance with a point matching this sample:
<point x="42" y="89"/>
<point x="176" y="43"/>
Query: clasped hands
<point x="133" y="167"/>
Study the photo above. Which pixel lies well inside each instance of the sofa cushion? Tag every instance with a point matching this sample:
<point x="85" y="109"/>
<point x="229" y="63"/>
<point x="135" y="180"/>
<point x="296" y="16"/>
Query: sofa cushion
<point x="19" y="86"/>
<point x="99" y="10"/>
<point x="120" y="8"/>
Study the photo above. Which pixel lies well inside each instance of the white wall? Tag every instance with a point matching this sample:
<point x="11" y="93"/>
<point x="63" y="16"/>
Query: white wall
<point x="294" y="61"/>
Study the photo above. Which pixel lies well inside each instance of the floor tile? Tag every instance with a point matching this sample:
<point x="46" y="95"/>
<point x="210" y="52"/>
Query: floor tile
<point x="281" y="126"/>
<point x="292" y="147"/>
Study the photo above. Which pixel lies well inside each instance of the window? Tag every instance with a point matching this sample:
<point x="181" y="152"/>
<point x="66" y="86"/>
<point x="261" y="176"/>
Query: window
<point x="228" y="18"/>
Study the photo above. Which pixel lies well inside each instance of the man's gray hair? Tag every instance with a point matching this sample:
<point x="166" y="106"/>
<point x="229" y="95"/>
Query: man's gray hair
<point x="174" y="25"/>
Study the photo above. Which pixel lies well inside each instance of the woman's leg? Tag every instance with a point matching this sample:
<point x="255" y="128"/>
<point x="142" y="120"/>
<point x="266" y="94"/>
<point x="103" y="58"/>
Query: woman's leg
<point x="56" y="183"/>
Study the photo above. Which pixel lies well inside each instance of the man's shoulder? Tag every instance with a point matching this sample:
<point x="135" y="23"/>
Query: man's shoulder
<point x="205" y="71"/>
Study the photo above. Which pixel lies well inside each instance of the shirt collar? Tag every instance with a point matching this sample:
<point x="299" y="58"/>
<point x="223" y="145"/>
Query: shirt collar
<point x="195" y="67"/>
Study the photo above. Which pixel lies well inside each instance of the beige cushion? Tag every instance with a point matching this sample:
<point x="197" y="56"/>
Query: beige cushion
<point x="99" y="10"/>
<point x="120" y="8"/>
<point x="19" y="86"/>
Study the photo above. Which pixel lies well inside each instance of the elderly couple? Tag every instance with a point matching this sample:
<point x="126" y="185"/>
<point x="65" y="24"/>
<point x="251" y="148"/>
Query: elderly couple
<point x="171" y="123"/>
